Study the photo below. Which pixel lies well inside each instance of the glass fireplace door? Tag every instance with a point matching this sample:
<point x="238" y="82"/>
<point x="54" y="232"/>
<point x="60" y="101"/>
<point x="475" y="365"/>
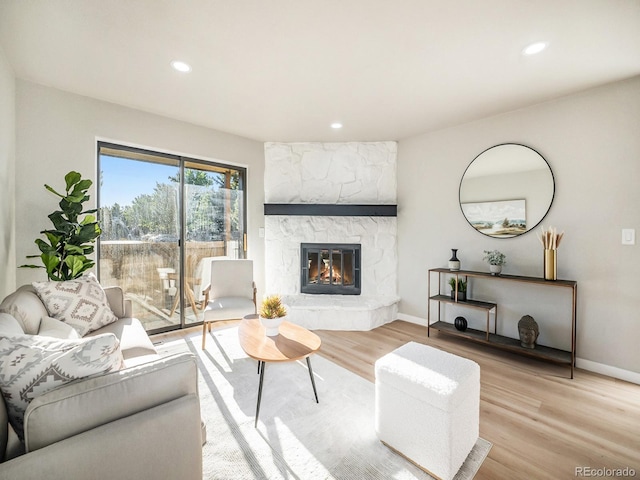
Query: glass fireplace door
<point x="330" y="268"/>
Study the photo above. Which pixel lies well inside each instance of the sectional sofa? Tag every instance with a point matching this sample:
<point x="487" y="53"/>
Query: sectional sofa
<point x="140" y="419"/>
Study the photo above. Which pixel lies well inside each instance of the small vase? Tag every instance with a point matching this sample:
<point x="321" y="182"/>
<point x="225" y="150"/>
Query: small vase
<point x="271" y="325"/>
<point x="495" y="269"/>
<point x="454" y="263"/>
<point x="460" y="323"/>
<point x="550" y="265"/>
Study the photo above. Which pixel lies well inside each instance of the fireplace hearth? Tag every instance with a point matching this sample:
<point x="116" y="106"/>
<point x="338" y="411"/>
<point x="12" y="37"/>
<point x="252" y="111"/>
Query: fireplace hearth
<point x="330" y="268"/>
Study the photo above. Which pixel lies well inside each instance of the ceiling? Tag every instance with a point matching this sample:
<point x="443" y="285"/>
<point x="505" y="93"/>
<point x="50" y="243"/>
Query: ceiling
<point x="284" y="70"/>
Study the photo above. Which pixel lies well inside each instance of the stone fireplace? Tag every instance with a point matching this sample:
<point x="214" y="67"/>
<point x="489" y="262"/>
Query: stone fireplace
<point x="332" y="193"/>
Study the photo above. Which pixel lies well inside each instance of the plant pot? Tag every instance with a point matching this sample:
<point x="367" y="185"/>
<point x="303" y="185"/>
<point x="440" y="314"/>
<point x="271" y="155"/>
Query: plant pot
<point x="495" y="269"/>
<point x="272" y="325"/>
<point x="462" y="296"/>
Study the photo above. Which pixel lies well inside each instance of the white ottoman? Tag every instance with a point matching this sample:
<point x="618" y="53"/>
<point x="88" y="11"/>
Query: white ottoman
<point x="428" y="406"/>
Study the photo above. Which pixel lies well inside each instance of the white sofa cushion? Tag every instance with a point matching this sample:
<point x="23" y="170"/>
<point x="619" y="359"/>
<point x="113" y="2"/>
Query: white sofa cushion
<point x="135" y="344"/>
<point x="25" y="306"/>
<point x="9" y="325"/>
<point x="81" y="303"/>
<point x="52" y="327"/>
<point x="32" y="365"/>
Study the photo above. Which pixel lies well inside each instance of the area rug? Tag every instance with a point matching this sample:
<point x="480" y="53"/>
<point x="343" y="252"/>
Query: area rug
<point x="296" y="438"/>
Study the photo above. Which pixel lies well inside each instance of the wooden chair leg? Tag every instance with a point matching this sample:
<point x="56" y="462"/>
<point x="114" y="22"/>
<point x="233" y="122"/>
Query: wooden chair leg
<point x="192" y="301"/>
<point x="175" y="305"/>
<point x="204" y="333"/>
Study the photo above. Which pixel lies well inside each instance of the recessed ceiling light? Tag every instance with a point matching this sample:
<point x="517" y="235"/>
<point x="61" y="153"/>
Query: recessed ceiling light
<point x="534" y="48"/>
<point x="336" y="125"/>
<point x="181" y="66"/>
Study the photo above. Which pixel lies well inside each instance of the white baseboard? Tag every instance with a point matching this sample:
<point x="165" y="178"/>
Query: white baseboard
<point x="608" y="370"/>
<point x="582" y="363"/>
<point x="412" y="319"/>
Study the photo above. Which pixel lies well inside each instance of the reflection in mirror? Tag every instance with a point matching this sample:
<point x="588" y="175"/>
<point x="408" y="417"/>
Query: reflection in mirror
<point x="506" y="190"/>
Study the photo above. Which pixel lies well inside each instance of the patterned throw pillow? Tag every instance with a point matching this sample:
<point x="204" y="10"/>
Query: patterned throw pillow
<point x="81" y="303"/>
<point x="31" y="365"/>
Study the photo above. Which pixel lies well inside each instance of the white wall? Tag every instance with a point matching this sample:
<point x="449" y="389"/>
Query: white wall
<point x="57" y="132"/>
<point x="7" y="177"/>
<point x="592" y="144"/>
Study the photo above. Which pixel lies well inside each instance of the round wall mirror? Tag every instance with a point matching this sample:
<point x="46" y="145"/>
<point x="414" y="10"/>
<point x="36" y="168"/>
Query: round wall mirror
<point x="506" y="190"/>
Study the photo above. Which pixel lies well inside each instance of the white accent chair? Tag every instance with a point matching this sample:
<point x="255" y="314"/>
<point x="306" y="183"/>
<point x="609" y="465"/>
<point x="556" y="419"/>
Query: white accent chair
<point x="230" y="295"/>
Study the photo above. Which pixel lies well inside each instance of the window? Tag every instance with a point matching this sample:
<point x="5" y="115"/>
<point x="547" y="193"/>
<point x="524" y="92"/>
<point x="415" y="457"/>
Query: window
<point x="163" y="217"/>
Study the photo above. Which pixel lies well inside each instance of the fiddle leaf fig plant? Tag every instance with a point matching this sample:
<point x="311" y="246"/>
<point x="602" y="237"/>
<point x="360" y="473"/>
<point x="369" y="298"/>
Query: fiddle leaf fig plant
<point x="64" y="253"/>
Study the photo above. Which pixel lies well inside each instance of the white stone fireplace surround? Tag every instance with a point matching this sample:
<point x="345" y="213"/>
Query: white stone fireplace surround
<point x="336" y="174"/>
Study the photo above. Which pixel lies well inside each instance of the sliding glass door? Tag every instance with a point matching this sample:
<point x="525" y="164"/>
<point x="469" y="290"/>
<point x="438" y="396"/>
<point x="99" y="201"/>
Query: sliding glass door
<point x="213" y="225"/>
<point x="163" y="218"/>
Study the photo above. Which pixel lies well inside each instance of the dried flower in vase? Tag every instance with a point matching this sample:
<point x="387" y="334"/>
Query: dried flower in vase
<point x="550" y="239"/>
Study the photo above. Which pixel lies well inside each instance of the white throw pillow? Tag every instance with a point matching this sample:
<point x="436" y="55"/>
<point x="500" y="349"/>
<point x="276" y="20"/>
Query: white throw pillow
<point x="31" y="365"/>
<point x="81" y="303"/>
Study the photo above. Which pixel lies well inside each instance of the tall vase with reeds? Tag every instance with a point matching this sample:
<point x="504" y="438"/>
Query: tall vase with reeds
<point x="550" y="240"/>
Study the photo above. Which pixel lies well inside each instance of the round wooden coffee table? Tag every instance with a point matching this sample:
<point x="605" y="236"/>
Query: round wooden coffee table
<point x="293" y="343"/>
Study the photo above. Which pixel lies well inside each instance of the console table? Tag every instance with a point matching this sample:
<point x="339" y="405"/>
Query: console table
<point x="492" y="338"/>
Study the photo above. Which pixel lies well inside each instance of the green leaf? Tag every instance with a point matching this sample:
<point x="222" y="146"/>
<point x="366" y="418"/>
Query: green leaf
<point x="71" y="249"/>
<point x="44" y="246"/>
<point x="75" y="264"/>
<point x="88" y="219"/>
<point x="50" y="262"/>
<point x="52" y="190"/>
<point x="71" y="179"/>
<point x="88" y="233"/>
<point x="59" y="222"/>
<point x="87" y="265"/>
<point x="54" y="237"/>
<point x="76" y="198"/>
<point x="82" y="186"/>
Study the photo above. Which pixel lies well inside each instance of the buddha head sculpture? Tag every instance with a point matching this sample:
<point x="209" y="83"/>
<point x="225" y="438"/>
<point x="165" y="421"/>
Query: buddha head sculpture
<point x="528" y="330"/>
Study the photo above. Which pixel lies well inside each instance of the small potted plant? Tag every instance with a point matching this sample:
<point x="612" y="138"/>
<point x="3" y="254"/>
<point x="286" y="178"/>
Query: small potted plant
<point x="462" y="289"/>
<point x="272" y="313"/>
<point x="496" y="260"/>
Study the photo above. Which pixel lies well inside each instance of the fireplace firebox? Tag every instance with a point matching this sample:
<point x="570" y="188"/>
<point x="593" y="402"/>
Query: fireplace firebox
<point x="328" y="268"/>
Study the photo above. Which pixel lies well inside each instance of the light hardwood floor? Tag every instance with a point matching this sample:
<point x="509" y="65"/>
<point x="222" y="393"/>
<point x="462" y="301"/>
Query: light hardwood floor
<point x="542" y="424"/>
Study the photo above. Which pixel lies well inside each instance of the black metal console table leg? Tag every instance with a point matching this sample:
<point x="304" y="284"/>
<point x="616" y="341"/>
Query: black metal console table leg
<point x="312" y="380"/>
<point x="261" y="366"/>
